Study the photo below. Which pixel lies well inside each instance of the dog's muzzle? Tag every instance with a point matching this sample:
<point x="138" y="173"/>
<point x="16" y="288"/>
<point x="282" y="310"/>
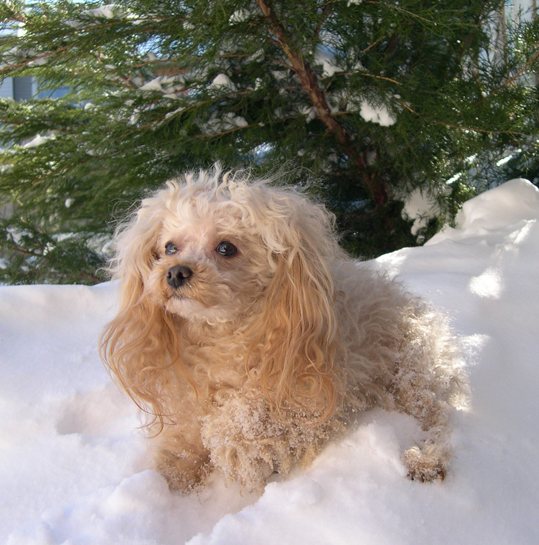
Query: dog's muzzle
<point x="178" y="275"/>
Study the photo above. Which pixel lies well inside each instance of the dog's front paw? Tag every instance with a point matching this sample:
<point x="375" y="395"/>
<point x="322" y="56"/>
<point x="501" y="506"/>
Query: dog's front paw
<point x="243" y="441"/>
<point x="244" y="465"/>
<point x="426" y="466"/>
<point x="182" y="470"/>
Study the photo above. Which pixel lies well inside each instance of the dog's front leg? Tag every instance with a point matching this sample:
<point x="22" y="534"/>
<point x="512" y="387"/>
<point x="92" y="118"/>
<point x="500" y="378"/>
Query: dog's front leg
<point x="245" y="442"/>
<point x="181" y="457"/>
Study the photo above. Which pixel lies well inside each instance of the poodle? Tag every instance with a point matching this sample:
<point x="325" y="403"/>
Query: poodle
<point x="250" y="339"/>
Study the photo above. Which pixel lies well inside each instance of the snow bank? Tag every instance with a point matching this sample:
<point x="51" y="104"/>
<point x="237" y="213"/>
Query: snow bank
<point x="73" y="468"/>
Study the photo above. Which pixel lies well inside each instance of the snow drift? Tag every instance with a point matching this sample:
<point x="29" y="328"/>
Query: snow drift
<point x="75" y="470"/>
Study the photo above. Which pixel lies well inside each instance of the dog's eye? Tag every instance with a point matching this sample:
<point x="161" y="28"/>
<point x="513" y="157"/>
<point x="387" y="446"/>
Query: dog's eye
<point x="226" y="249"/>
<point x="171" y="248"/>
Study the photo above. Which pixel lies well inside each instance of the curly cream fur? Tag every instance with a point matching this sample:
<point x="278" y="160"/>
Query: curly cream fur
<point x="261" y="358"/>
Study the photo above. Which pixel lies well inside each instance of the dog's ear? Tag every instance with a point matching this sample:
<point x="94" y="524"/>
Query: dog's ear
<point x="135" y="246"/>
<point x="141" y="341"/>
<point x="298" y="333"/>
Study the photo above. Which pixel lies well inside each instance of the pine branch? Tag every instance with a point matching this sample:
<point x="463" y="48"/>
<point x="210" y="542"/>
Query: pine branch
<point x="514" y="78"/>
<point x="26" y="62"/>
<point x="461" y="127"/>
<point x="309" y="82"/>
<point x="293" y="86"/>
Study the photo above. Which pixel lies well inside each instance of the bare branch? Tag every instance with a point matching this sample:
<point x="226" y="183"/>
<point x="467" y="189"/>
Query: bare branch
<point x="309" y="82"/>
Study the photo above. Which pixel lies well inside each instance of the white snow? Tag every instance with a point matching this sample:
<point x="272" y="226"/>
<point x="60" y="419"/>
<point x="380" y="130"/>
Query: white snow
<point x="168" y="85"/>
<point x="420" y="207"/>
<point x="74" y="469"/>
<point x="371" y="111"/>
<point x="216" y="124"/>
<point x="376" y="114"/>
<point x="325" y="57"/>
<point x="239" y="16"/>
<point x="153" y="85"/>
<point x="222" y="81"/>
<point x="38" y="140"/>
<point x="108" y="11"/>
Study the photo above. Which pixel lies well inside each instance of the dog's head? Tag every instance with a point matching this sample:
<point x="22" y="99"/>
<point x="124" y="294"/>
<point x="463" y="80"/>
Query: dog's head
<point x="220" y="251"/>
<point x="208" y="262"/>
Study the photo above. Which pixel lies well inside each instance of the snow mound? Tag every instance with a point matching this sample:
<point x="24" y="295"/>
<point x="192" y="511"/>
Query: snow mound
<point x="502" y="208"/>
<point x="75" y="470"/>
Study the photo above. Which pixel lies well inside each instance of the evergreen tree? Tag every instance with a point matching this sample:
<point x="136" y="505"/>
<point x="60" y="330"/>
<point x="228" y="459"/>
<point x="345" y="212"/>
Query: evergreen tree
<point x="363" y="101"/>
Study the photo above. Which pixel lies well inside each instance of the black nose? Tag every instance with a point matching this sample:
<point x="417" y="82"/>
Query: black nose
<point x="178" y="275"/>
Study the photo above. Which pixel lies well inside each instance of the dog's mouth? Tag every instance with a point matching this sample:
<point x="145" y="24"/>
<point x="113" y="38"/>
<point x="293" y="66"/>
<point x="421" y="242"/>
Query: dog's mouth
<point x="178" y="294"/>
<point x="189" y="292"/>
<point x="174" y="293"/>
